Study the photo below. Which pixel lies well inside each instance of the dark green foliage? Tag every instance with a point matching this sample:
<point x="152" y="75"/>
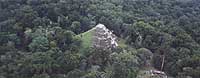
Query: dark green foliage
<point x="145" y="56"/>
<point x="39" y="44"/>
<point x="38" y="37"/>
<point x="125" y="65"/>
<point x="76" y="27"/>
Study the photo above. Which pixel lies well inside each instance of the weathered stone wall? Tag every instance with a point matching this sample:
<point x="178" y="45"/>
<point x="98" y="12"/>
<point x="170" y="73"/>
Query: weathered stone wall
<point x="103" y="38"/>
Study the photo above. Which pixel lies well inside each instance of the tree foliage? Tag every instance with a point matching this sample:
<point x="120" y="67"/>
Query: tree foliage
<point x="38" y="37"/>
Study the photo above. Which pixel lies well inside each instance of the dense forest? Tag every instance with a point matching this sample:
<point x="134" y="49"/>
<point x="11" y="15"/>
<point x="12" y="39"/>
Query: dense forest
<point x="38" y="38"/>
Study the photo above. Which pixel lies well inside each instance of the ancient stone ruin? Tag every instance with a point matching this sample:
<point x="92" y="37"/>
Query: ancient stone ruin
<point x="104" y="38"/>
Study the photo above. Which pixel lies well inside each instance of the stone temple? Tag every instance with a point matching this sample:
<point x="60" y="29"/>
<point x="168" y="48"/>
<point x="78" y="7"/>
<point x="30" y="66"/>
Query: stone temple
<point x="104" y="38"/>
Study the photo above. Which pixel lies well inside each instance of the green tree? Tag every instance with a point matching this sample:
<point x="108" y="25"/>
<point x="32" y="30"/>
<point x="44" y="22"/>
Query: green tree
<point x="125" y="65"/>
<point x="146" y="57"/>
<point x="76" y="27"/>
<point x="39" y="44"/>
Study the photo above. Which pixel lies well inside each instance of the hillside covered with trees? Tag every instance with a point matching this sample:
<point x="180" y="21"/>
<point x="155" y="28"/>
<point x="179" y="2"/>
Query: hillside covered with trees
<point x="43" y="38"/>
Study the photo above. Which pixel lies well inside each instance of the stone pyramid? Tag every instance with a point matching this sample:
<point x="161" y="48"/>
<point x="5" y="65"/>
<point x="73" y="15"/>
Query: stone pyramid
<point x="103" y="38"/>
